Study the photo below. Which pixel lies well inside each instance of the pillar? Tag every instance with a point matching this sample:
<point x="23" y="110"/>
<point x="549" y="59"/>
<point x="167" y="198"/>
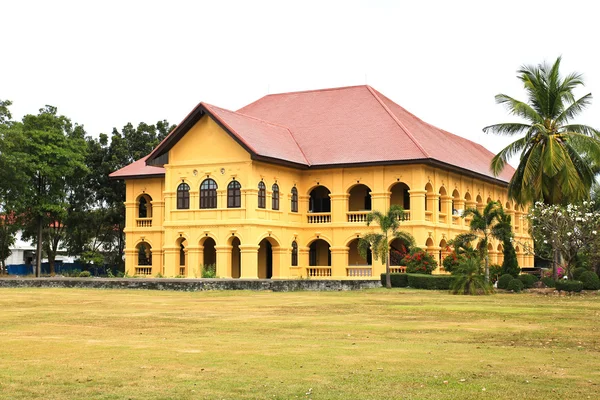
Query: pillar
<point x="249" y="261"/>
<point x="417" y="204"/>
<point x="339" y="207"/>
<point x="171" y="267"/>
<point x="194" y="261"/>
<point x="223" y="261"/>
<point x="380" y="201"/>
<point x="339" y="261"/>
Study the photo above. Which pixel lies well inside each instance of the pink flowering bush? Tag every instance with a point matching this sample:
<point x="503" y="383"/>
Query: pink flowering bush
<point x="418" y="261"/>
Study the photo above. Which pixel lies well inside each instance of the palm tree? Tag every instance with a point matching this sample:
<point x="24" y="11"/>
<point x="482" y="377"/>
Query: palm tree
<point x="553" y="149"/>
<point x="481" y="223"/>
<point x="379" y="243"/>
<point x="468" y="280"/>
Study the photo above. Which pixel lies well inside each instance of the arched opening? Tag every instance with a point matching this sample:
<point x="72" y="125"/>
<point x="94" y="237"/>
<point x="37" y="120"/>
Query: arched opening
<point x="234" y="195"/>
<point x="354" y="257"/>
<point x="144" y="251"/>
<point x="491" y="254"/>
<point x="500" y="250"/>
<point x="210" y="254"/>
<point x="507" y="205"/>
<point x="398" y="250"/>
<point x="360" y="198"/>
<point x="400" y="195"/>
<point x="294" y="200"/>
<point x="265" y="258"/>
<point x="236" y="258"/>
<point x="429" y="206"/>
<point x="429" y="242"/>
<point x="275" y="197"/>
<point x="144" y="206"/>
<point x="182" y="256"/>
<point x="444" y="251"/>
<point x="479" y="200"/>
<point x="320" y="202"/>
<point x="208" y="194"/>
<point x="319" y="253"/>
<point x="442" y="193"/>
<point x="488" y="201"/>
<point x="455" y="207"/>
<point x="294" y="254"/>
<point x="467" y="197"/>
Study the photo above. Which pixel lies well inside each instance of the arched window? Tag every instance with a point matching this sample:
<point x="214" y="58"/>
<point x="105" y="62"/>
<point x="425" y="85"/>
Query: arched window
<point x="234" y="195"/>
<point x="262" y="195"/>
<point x="294" y="254"/>
<point x="183" y="196"/>
<point x="294" y="199"/>
<point x="208" y="194"/>
<point x="144" y="254"/>
<point x="143" y="208"/>
<point x="275" y="197"/>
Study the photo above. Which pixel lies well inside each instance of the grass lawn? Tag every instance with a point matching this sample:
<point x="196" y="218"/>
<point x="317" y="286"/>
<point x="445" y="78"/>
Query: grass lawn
<point x="373" y="344"/>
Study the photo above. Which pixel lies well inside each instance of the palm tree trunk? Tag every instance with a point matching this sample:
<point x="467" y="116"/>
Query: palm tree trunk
<point x="487" y="267"/>
<point x="388" y="279"/>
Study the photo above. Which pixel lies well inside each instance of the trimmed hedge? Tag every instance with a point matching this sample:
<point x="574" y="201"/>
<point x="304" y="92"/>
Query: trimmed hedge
<point x="577" y="273"/>
<point x="590" y="280"/>
<point x="420" y="281"/>
<point x="504" y="280"/>
<point x="548" y="281"/>
<point x="398" y="280"/>
<point x="528" y="280"/>
<point x="515" y="285"/>
<point x="569" y="286"/>
<point x="430" y="282"/>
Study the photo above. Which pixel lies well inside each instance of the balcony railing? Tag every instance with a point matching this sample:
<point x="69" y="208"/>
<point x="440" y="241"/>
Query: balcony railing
<point x="358" y="271"/>
<point x="406" y="216"/>
<point x="397" y="270"/>
<point x="319" y="218"/>
<point x="143" y="270"/>
<point x="442" y="218"/>
<point x="318" y="271"/>
<point x="143" y="222"/>
<point x="428" y="216"/>
<point x="357" y="216"/>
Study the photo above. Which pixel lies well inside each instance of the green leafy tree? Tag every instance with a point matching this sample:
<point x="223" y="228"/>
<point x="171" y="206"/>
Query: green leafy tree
<point x="379" y="243"/>
<point x="553" y="149"/>
<point x="502" y="230"/>
<point x="47" y="152"/>
<point x="481" y="224"/>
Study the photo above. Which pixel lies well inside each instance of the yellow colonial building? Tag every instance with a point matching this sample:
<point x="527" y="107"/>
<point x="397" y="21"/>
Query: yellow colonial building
<point x="281" y="188"/>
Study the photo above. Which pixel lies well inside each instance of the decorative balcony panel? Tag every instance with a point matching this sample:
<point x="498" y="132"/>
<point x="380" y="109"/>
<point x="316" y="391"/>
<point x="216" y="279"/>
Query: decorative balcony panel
<point x="357" y="216"/>
<point x="318" y="272"/>
<point x="143" y="270"/>
<point x="442" y="218"/>
<point x="143" y="222"/>
<point x="397" y="270"/>
<point x="358" y="271"/>
<point x="428" y="216"/>
<point x="319" y="218"/>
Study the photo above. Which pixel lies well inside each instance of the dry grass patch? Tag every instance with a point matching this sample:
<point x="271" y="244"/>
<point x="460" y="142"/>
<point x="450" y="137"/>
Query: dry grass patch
<point x="378" y="344"/>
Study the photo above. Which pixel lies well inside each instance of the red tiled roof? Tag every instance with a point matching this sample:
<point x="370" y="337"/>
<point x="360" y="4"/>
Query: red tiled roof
<point x="138" y="169"/>
<point x="343" y="126"/>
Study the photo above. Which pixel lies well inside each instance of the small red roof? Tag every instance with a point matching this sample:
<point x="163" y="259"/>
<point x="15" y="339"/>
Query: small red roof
<point x="138" y="169"/>
<point x="331" y="127"/>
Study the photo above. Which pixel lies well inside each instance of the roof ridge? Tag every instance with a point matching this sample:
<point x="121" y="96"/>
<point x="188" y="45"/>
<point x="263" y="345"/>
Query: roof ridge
<point x="269" y="123"/>
<point x="303" y="91"/>
<point x="400" y="124"/>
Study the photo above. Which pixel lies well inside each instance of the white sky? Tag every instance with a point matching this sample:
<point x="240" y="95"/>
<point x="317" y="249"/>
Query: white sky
<point x="106" y="63"/>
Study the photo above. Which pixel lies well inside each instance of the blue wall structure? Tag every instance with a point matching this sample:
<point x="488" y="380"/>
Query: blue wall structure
<point x="59" y="269"/>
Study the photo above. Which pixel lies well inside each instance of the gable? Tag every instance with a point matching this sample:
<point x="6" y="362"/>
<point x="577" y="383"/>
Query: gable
<point x="205" y="143"/>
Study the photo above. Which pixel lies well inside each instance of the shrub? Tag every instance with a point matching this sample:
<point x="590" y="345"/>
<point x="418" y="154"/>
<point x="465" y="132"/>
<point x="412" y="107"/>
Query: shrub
<point x="515" y="285"/>
<point x="504" y="280"/>
<point x="451" y="261"/>
<point x="468" y="279"/>
<point x="85" y="274"/>
<point x="209" y="271"/>
<point x="548" y="281"/>
<point x="398" y="280"/>
<point x="528" y="280"/>
<point x="590" y="280"/>
<point x="495" y="272"/>
<point x="577" y="272"/>
<point x="418" y="261"/>
<point x="569" y="286"/>
<point x="431" y="282"/>
<point x="510" y="265"/>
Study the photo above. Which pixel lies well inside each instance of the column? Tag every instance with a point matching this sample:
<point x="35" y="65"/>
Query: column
<point x="194" y="261"/>
<point x="417" y="204"/>
<point x="249" y="253"/>
<point x="171" y="261"/>
<point x="223" y="261"/>
<point x="303" y="260"/>
<point x="459" y="204"/>
<point x="380" y="201"/>
<point x="131" y="261"/>
<point x="281" y="262"/>
<point x="339" y="207"/>
<point x="339" y="261"/>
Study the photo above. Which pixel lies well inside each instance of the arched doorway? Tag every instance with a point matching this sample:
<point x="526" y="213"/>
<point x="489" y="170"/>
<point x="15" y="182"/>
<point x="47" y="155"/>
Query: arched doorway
<point x="265" y="258"/>
<point x="319" y="253"/>
<point x="210" y="253"/>
<point x="354" y="257"/>
<point x="360" y="198"/>
<point x="398" y="250"/>
<point x="236" y="258"/>
<point x="400" y="196"/>
<point x="320" y="202"/>
<point x="182" y="257"/>
<point x="144" y="206"/>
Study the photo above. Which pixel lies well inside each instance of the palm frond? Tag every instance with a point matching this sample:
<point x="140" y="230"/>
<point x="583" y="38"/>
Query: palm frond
<point x="574" y="109"/>
<point x="507" y="128"/>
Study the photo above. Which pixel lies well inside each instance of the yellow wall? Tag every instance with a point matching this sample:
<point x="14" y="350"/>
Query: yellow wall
<point x="207" y="151"/>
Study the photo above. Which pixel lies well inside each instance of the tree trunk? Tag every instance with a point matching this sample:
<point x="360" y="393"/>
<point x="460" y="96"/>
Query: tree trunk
<point x="38" y="256"/>
<point x="388" y="279"/>
<point x="487" y="267"/>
